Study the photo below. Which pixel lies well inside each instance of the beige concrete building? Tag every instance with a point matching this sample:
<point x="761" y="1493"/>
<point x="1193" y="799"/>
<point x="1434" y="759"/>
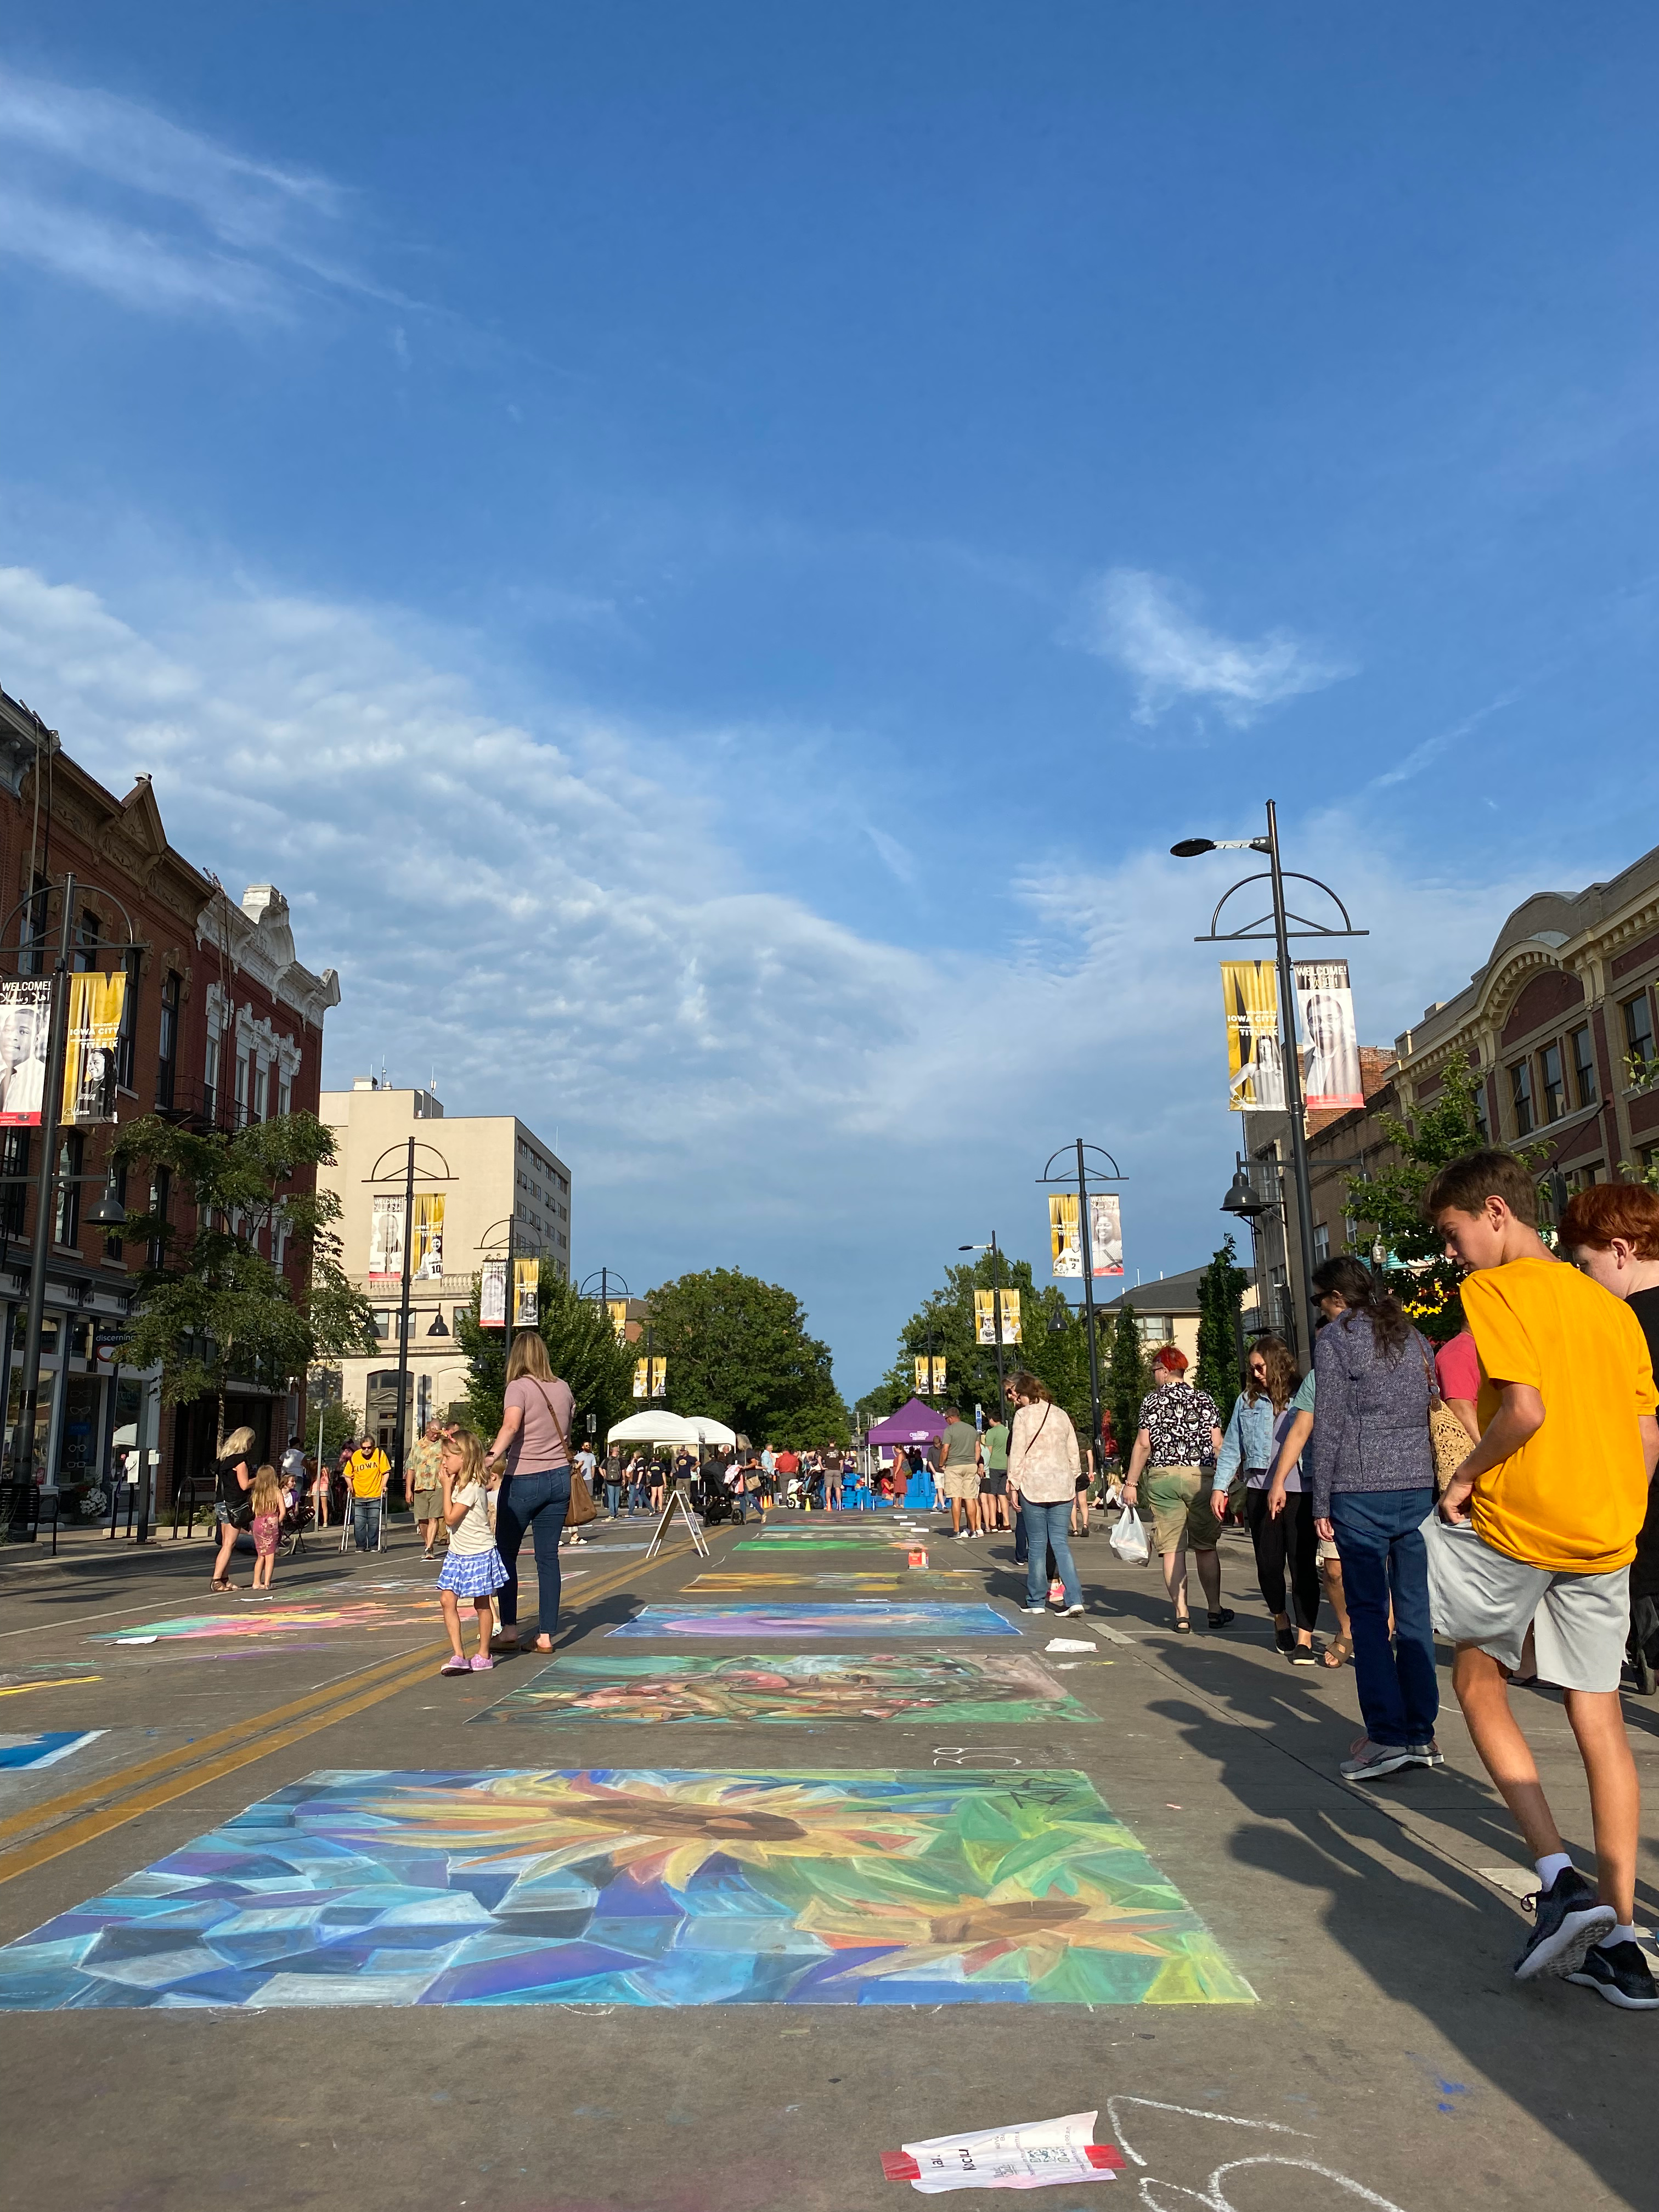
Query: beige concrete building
<point x="485" y="1168"/>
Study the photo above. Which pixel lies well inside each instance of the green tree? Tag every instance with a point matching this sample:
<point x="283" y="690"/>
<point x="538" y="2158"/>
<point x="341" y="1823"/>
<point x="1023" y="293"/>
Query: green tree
<point x="1128" y="1380"/>
<point x="581" y="1349"/>
<point x="341" y="1424"/>
<point x="738" y="1349"/>
<point x="1390" y="1204"/>
<point x="217" y="1308"/>
<point x="1053" y="1344"/>
<point x="1219" y="1290"/>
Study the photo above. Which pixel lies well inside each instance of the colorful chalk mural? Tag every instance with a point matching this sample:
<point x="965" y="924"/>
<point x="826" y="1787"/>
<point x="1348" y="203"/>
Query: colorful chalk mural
<point x="44" y="1748"/>
<point x="641" y="1887"/>
<point x="874" y="1618"/>
<point x="849" y="1581"/>
<point x="998" y="1689"/>
<point x="822" y="1544"/>
<point x="257" y="1618"/>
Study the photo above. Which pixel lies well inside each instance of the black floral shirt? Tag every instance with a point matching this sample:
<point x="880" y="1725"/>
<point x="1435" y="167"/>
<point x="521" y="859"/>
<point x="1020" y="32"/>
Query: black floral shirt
<point x="1179" y="1419"/>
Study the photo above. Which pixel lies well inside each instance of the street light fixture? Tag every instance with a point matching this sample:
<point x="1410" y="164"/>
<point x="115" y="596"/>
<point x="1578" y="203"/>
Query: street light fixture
<point x="414" y="1172"/>
<point x="1086" y="1254"/>
<point x="1243" y="1198"/>
<point x="1281" y="933"/>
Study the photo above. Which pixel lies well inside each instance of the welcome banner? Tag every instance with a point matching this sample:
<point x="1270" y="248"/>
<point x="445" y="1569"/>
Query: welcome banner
<point x="1255" y="1066"/>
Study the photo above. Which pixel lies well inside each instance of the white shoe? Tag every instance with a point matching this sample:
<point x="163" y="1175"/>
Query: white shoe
<point x="1075" y="1613"/>
<point x="1033" y="1608"/>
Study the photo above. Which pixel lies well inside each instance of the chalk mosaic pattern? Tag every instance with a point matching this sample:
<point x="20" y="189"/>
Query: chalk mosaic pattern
<point x="274" y="1619"/>
<point x="876" y="1618"/>
<point x="998" y="1689"/>
<point x="823" y="1544"/>
<point x="640" y="1887"/>
<point x="44" y="1747"/>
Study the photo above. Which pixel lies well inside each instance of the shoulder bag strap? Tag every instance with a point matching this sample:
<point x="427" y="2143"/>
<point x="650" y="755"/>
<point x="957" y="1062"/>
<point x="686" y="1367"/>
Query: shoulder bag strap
<point x="558" y="1426"/>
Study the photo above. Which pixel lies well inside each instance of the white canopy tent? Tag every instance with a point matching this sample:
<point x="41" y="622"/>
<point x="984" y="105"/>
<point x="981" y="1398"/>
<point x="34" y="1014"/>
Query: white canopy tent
<point x="663" y="1428"/>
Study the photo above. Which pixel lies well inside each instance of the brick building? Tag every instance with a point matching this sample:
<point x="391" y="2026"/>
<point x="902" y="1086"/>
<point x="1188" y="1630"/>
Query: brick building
<point x="223" y="1024"/>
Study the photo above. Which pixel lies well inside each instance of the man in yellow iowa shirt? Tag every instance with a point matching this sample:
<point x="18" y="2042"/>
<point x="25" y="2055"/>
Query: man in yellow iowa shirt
<point x="1538" y="1528"/>
<point x="366" y="1471"/>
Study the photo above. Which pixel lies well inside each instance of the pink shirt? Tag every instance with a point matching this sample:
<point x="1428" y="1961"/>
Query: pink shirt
<point x="536" y="1447"/>
<point x="1458" y="1366"/>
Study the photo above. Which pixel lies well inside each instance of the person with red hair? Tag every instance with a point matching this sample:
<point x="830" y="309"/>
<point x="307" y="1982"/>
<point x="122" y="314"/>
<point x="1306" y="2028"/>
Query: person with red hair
<point x="1611" y="1233"/>
<point x="1179" y="1434"/>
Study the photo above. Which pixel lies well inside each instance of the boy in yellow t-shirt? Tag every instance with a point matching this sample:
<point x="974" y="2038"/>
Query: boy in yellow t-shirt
<point x="1537" y="1530"/>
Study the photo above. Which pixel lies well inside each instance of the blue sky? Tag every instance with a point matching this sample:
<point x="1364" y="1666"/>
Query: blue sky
<point x="710" y="551"/>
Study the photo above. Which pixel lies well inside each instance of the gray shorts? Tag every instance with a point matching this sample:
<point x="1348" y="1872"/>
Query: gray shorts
<point x="1580" y="1623"/>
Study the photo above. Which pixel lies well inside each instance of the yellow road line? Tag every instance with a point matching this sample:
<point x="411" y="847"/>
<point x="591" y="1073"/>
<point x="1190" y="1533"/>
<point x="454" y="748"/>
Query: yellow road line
<point x="178" y="1772"/>
<point x="61" y="1682"/>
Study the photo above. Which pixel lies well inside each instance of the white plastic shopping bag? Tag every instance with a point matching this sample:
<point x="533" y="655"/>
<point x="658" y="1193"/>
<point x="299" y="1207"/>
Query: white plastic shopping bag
<point x="1128" y="1539"/>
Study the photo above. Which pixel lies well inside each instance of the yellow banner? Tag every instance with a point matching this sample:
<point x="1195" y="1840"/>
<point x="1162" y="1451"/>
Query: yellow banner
<point x="430" y="1235"/>
<point x="617" y="1309"/>
<point x="527" y="1293"/>
<point x="1256" y="1065"/>
<point x="96" y="1002"/>
<point x="985" y="1317"/>
<point x="1064" y="1241"/>
<point x="1011" y="1316"/>
<point x="650" y="1378"/>
<point x="930" y="1375"/>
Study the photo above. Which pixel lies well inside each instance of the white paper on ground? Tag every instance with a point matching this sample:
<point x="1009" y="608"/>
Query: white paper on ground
<point x="135" y="1639"/>
<point x="1035" y="2156"/>
<point x="1068" y="1644"/>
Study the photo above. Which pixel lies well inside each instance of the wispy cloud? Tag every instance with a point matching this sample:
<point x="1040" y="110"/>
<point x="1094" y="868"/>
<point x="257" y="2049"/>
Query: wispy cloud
<point x="1143" y="623"/>
<point x="898" y="860"/>
<point x="1420" y="755"/>
<point x="107" y="192"/>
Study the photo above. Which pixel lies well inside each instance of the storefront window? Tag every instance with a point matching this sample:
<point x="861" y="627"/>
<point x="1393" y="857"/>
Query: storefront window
<point x="42" y="1417"/>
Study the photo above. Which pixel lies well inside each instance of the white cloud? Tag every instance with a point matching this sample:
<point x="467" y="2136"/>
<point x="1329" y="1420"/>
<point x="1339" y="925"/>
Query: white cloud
<point x="105" y="192"/>
<point x="1140" y="621"/>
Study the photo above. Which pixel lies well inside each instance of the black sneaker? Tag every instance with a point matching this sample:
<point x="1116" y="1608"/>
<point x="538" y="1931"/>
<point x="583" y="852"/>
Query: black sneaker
<point x="1570" y="1918"/>
<point x="1621" y="1974"/>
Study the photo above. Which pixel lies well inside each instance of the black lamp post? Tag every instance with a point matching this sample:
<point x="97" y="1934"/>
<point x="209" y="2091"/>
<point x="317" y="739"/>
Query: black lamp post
<point x="413" y="1172"/>
<point x="996" y="1311"/>
<point x="1087" y="1256"/>
<point x="1280" y="934"/>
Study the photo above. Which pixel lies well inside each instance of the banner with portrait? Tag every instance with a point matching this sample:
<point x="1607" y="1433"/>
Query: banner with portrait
<point x="527" y="1293"/>
<point x="1255" y="1070"/>
<point x="429" y="1236"/>
<point x="930" y="1375"/>
<point x="1011" y="1316"/>
<point x="1330" y="1043"/>
<point x="95" y="1004"/>
<point x="385" y="1239"/>
<point x="617" y="1309"/>
<point x="1064" y="1239"/>
<point x="1105" y="1233"/>
<point x="492" y="1294"/>
<point x="985" y="1317"/>
<point x="650" y="1378"/>
<point x="25" y="1020"/>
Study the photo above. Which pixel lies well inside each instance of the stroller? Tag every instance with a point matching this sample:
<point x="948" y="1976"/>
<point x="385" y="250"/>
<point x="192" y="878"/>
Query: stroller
<point x="297" y="1517"/>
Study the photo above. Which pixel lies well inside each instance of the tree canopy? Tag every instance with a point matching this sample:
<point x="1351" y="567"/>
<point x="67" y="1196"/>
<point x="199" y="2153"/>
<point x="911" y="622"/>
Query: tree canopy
<point x="216" y="1309"/>
<point x="1219" y="1290"/>
<point x="582" y="1348"/>
<point x="738" y="1349"/>
<point x="1054" y="1345"/>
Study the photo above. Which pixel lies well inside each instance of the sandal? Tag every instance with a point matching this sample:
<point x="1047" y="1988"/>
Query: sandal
<point x="1184" y="1626"/>
<point x="1220" y="1619"/>
<point x="217" y="1585"/>
<point x="1338" y="1651"/>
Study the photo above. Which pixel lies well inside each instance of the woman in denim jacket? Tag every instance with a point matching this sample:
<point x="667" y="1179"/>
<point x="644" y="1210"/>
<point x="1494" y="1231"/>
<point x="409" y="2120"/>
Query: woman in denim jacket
<point x="1286" y="1539"/>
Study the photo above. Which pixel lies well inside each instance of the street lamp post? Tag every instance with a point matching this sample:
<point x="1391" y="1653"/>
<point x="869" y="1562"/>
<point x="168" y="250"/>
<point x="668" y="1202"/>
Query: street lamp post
<point x="110" y="1213"/>
<point x="1280" y="934"/>
<point x="1048" y="1176"/>
<point x="412" y="1170"/>
<point x="996" y="1311"/>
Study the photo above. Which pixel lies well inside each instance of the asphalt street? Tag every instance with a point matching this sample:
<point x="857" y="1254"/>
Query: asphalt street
<point x="1324" y="2014"/>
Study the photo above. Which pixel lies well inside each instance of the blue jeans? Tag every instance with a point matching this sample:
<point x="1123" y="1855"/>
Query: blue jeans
<point x="1379" y="1533"/>
<point x="613" y="1497"/>
<point x="537" y="1503"/>
<point x="365" y="1523"/>
<point x="1045" y="1531"/>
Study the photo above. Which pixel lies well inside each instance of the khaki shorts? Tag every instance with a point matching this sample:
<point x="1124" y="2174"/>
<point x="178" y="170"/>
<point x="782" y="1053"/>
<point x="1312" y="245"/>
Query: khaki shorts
<point x="1580" y="1623"/>
<point x="427" y="1503"/>
<point x="960" y="1481"/>
<point x="1179" y="1498"/>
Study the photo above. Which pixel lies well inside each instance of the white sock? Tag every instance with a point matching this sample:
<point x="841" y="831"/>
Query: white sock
<point x="1553" y="1864"/>
<point x="1626" y="1935"/>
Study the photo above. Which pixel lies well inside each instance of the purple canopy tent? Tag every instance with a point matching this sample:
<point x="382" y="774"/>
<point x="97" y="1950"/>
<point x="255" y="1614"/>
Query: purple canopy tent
<point x="914" y="1423"/>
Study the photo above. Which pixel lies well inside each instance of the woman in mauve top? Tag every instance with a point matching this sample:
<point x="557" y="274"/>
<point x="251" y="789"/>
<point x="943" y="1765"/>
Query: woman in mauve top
<point x="535" y="1493"/>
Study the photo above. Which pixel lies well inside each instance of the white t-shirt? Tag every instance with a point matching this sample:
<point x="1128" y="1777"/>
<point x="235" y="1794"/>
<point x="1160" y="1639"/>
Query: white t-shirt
<point x="473" y="1535"/>
<point x="587" y="1462"/>
<point x="294" y="1463"/>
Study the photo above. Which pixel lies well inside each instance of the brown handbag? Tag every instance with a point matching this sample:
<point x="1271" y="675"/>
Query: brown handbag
<point x="1448" y="1437"/>
<point x="582" y="1507"/>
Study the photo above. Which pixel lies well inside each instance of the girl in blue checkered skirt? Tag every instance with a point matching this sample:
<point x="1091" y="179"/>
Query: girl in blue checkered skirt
<point x="473" y="1567"/>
